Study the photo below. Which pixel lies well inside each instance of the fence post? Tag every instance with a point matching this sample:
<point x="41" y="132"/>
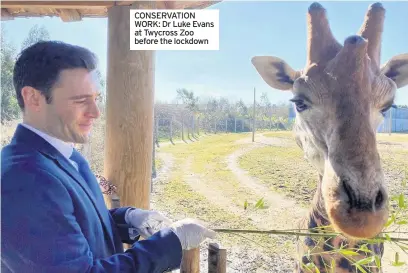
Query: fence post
<point x="198" y="126"/>
<point x="154" y="170"/>
<point x="157" y="132"/>
<point x="182" y="127"/>
<point x="171" y="130"/>
<point x="254" y="118"/>
<point x="217" y="259"/>
<point x="193" y="126"/>
<point x="191" y="261"/>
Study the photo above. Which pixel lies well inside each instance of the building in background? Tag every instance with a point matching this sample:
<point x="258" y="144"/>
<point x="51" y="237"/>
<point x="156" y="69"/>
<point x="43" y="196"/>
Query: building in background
<point x="396" y="120"/>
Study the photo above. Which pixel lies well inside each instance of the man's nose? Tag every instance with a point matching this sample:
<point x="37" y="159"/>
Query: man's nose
<point x="93" y="110"/>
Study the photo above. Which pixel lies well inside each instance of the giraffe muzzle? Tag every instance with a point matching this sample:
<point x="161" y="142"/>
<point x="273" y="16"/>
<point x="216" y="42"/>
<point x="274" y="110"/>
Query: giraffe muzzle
<point x="355" y="213"/>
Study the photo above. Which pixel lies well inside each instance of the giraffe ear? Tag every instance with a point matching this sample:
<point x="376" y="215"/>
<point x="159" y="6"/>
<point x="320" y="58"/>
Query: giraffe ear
<point x="397" y="70"/>
<point x="275" y="72"/>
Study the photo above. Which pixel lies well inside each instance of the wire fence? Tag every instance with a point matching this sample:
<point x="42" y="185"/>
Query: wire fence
<point x="170" y="129"/>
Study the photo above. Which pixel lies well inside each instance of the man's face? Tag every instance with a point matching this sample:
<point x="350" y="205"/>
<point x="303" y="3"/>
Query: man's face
<point x="73" y="109"/>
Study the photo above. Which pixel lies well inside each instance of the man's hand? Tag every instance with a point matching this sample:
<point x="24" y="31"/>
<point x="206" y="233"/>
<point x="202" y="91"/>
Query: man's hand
<point x="191" y="233"/>
<point x="147" y="222"/>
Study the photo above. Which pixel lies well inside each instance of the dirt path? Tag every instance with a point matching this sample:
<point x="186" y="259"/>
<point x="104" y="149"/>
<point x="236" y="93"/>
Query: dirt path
<point x="260" y="140"/>
<point x="295" y="211"/>
<point x="281" y="213"/>
<point x="241" y="258"/>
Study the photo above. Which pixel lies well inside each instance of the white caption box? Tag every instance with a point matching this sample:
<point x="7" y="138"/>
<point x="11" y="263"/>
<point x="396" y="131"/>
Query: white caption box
<point x="174" y="29"/>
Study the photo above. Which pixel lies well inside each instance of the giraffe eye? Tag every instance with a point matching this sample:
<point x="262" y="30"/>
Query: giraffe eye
<point x="384" y="110"/>
<point x="300" y="105"/>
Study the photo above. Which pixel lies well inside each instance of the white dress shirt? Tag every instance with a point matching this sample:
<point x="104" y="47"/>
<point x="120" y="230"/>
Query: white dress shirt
<point x="66" y="150"/>
<point x="63" y="147"/>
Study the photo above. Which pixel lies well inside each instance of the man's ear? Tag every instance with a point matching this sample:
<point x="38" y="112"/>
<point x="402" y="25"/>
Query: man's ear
<point x="397" y="69"/>
<point x="275" y="72"/>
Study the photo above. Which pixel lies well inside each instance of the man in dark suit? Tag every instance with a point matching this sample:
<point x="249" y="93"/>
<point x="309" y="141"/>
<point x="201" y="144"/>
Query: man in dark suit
<point x="53" y="215"/>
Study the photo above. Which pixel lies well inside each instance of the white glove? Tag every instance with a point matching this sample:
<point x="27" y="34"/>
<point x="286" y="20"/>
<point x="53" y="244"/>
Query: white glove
<point x="146" y="222"/>
<point x="191" y="233"/>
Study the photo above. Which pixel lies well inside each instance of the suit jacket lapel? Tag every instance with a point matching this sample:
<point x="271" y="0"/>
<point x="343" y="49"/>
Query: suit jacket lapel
<point x="28" y="137"/>
<point x="92" y="194"/>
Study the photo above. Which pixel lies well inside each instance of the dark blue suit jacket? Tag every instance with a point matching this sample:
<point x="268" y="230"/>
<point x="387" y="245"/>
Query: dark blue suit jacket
<point x="53" y="220"/>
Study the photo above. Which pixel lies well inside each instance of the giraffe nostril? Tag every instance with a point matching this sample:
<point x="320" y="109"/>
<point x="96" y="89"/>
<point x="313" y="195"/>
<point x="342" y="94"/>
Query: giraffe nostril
<point x="349" y="192"/>
<point x="379" y="199"/>
<point x="360" y="203"/>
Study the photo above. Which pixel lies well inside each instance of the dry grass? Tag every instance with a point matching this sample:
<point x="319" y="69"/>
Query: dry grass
<point x="204" y="162"/>
<point x="280" y="134"/>
<point x="394" y="137"/>
<point x="208" y="160"/>
<point x="177" y="198"/>
<point x="283" y="169"/>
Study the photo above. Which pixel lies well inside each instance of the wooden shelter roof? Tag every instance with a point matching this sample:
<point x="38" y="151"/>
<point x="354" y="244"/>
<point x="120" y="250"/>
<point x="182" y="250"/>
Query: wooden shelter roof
<point x="70" y="11"/>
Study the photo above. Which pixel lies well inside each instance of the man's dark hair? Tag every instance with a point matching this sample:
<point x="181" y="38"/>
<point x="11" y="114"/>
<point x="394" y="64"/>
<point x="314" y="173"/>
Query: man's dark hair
<point x="40" y="65"/>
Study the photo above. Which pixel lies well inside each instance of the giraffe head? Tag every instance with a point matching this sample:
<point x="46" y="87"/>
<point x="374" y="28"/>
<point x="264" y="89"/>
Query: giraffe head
<point x="340" y="98"/>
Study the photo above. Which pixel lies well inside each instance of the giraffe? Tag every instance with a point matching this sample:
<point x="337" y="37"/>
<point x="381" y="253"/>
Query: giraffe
<point x="340" y="97"/>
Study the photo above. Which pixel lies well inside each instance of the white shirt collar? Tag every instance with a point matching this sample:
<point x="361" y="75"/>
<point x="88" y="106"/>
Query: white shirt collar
<point x="64" y="148"/>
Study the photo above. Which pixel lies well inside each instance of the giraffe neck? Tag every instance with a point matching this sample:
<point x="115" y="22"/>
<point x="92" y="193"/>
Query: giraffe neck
<point x="329" y="254"/>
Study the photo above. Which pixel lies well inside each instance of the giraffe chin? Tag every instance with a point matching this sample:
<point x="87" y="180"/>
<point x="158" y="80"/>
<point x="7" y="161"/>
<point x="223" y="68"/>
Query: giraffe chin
<point x="356" y="224"/>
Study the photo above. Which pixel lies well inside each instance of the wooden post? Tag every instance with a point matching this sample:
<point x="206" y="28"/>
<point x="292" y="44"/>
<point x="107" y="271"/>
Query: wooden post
<point x="157" y="132"/>
<point x="191" y="261"/>
<point x="192" y="125"/>
<point x="254" y="119"/>
<point x="182" y="127"/>
<point x="171" y="130"/>
<point x="154" y="170"/>
<point x="129" y="112"/>
<point x="198" y="125"/>
<point x="217" y="259"/>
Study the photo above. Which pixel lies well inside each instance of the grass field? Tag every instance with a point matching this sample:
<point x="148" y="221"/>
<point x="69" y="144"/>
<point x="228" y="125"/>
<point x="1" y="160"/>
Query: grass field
<point x="204" y="185"/>
<point x="227" y="181"/>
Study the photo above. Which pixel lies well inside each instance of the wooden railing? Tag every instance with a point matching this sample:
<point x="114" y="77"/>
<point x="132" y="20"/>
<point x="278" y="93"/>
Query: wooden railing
<point x="217" y="256"/>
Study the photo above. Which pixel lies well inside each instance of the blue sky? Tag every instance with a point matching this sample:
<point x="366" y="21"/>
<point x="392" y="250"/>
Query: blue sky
<point x="246" y="29"/>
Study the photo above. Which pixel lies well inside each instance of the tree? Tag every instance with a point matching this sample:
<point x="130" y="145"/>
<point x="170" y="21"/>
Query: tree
<point x="266" y="106"/>
<point x="191" y="103"/>
<point x="242" y="109"/>
<point x="188" y="98"/>
<point x="102" y="86"/>
<point x="36" y="34"/>
<point x="9" y="106"/>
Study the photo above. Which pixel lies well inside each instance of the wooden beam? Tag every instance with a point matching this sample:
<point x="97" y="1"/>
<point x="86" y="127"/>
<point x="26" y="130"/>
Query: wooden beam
<point x="171" y="4"/>
<point x="5" y="15"/>
<point x="57" y="4"/>
<point x="69" y="15"/>
<point x="129" y="113"/>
